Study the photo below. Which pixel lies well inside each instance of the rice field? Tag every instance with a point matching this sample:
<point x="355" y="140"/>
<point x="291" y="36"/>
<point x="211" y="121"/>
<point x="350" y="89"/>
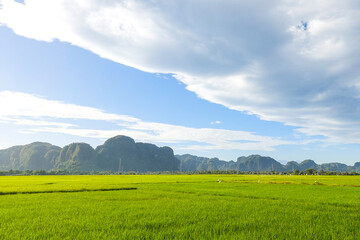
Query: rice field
<point x="180" y="207"/>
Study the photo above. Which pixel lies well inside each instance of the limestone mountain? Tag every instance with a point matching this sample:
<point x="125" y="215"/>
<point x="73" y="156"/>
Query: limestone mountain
<point x="119" y="153"/>
<point x="194" y="163"/>
<point x="357" y="167"/>
<point x="337" y="167"/>
<point x="122" y="153"/>
<point x="291" y="166"/>
<point x="77" y="157"/>
<point x="306" y="164"/>
<point x="33" y="156"/>
<point x="9" y="158"/>
<point x="258" y="163"/>
<point x="254" y="163"/>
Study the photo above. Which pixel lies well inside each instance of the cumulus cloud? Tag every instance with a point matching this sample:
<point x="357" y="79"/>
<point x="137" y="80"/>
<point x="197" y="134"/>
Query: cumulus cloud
<point x="290" y="61"/>
<point x="38" y="114"/>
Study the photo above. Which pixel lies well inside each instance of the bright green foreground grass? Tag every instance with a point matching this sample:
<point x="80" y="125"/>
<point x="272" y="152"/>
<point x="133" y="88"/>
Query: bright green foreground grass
<point x="180" y="207"/>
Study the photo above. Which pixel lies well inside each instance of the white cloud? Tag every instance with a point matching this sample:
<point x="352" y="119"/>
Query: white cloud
<point x="247" y="55"/>
<point x="38" y="114"/>
<point x="29" y="122"/>
<point x="215" y="122"/>
<point x="22" y="104"/>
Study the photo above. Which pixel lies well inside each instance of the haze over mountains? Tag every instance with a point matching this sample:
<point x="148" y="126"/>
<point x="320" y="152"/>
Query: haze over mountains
<point x="121" y="153"/>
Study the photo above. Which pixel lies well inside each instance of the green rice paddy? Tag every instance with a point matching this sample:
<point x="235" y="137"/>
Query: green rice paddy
<point x="180" y="207"/>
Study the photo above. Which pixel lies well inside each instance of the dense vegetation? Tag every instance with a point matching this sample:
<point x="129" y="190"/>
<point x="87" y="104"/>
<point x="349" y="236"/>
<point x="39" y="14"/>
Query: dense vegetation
<point x="309" y="171"/>
<point x="180" y="207"/>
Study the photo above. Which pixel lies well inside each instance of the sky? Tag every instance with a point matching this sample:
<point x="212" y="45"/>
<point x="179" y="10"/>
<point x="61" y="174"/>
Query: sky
<point x="211" y="78"/>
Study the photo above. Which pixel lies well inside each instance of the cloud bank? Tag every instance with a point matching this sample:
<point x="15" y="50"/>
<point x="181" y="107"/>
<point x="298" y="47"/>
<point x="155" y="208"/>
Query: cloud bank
<point x="38" y="114"/>
<point x="295" y="62"/>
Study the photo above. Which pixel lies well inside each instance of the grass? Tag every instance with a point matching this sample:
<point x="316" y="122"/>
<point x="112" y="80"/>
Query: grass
<point x="180" y="207"/>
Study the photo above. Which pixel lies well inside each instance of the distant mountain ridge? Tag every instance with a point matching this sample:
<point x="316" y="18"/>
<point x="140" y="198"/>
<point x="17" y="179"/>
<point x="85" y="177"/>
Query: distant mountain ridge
<point x="122" y="153"/>
<point x="119" y="153"/>
<point x="254" y="163"/>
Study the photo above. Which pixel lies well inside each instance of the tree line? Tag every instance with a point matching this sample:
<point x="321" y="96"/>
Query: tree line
<point x="309" y="171"/>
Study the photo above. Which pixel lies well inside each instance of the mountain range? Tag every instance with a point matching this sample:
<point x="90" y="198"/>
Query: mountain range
<point x="119" y="153"/>
<point x="254" y="163"/>
<point x="123" y="154"/>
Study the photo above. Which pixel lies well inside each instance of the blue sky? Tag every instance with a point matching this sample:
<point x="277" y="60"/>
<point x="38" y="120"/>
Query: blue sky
<point x="233" y="79"/>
